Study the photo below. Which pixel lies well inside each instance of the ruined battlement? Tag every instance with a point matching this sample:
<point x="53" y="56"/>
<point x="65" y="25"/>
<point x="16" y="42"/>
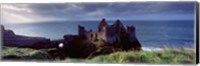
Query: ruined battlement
<point x="111" y="34"/>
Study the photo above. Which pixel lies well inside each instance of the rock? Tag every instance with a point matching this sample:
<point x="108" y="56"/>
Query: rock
<point x="6" y="32"/>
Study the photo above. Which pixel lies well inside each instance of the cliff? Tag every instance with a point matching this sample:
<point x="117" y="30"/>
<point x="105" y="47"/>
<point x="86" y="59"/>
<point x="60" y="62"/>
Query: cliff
<point x="13" y="40"/>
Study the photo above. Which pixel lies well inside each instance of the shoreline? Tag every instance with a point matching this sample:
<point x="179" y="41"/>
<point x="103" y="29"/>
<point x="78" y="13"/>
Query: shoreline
<point x="151" y="49"/>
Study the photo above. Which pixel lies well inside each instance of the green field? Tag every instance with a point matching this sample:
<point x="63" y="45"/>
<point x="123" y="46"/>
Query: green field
<point x="167" y="56"/>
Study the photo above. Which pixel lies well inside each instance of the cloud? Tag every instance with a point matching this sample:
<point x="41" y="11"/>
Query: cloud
<point x="12" y="15"/>
<point x="81" y="11"/>
<point x="73" y="7"/>
<point x="98" y="12"/>
<point x="22" y="13"/>
<point x="15" y="8"/>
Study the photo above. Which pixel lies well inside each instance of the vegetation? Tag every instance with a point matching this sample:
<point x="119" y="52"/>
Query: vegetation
<point x="178" y="56"/>
<point x="12" y="53"/>
<point x="166" y="56"/>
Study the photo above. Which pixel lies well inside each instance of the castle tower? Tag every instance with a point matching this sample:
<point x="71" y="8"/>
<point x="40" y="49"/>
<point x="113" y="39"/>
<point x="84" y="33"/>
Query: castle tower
<point x="118" y="24"/>
<point x="102" y="25"/>
<point x="131" y="32"/>
<point x="119" y="28"/>
<point x="81" y="31"/>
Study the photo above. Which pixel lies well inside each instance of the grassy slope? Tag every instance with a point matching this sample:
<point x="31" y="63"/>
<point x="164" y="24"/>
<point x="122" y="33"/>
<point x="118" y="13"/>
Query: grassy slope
<point x="25" y="54"/>
<point x="172" y="56"/>
<point x="165" y="56"/>
<point x="178" y="56"/>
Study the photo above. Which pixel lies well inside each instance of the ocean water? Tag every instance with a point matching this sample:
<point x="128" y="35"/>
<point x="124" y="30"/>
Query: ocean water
<point x="151" y="34"/>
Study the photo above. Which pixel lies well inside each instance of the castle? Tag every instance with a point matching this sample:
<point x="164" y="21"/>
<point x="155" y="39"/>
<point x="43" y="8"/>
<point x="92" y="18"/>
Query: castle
<point x="111" y="34"/>
<point x="107" y="39"/>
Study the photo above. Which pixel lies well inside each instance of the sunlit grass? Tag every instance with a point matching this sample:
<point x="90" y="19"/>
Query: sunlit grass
<point x="178" y="56"/>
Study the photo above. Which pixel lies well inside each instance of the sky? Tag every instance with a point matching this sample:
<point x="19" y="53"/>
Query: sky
<point x="44" y="12"/>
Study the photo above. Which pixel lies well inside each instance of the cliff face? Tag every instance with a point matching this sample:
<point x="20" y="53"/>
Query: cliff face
<point x="6" y="32"/>
<point x="13" y="40"/>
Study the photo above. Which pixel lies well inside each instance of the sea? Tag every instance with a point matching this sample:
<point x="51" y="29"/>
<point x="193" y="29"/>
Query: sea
<point x="153" y="34"/>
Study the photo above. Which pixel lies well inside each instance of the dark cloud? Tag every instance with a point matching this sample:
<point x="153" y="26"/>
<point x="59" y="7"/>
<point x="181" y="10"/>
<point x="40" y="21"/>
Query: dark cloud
<point x="115" y="8"/>
<point x="110" y="10"/>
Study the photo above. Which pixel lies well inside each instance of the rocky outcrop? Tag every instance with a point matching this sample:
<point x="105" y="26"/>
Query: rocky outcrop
<point x="6" y="32"/>
<point x="13" y="40"/>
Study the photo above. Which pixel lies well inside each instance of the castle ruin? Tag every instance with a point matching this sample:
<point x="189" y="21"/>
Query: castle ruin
<point x="110" y="34"/>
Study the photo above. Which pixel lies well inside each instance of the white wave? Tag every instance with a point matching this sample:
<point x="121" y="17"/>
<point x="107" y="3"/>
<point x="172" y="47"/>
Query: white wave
<point x="151" y="48"/>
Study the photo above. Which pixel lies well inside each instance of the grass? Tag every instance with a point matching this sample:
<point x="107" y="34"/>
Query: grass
<point x="167" y="56"/>
<point x="175" y="56"/>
